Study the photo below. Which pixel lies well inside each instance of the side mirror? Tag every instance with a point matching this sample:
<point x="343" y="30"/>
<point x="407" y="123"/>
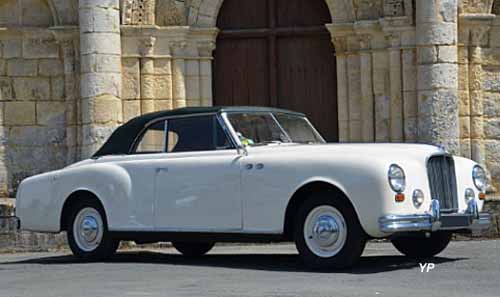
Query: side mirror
<point x="242" y="150"/>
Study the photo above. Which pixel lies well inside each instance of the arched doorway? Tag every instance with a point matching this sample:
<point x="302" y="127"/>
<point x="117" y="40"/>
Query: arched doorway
<point x="278" y="53"/>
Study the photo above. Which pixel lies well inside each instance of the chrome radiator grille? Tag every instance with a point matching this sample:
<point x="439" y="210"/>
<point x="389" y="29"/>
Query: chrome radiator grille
<point x="443" y="182"/>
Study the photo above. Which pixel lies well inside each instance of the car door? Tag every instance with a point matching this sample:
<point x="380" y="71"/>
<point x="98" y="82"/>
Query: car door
<point x="197" y="183"/>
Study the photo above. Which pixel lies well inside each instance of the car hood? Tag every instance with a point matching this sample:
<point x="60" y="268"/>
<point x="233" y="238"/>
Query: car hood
<point x="393" y="151"/>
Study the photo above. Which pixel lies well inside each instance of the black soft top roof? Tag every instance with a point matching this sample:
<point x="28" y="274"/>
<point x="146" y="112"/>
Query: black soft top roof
<point x="120" y="142"/>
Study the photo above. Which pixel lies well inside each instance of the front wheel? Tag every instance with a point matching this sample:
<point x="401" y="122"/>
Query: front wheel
<point x="88" y="235"/>
<point x="422" y="247"/>
<point x="327" y="233"/>
<point x="193" y="249"/>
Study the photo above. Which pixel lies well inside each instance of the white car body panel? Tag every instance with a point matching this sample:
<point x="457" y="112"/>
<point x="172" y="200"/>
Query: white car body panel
<point x="229" y="197"/>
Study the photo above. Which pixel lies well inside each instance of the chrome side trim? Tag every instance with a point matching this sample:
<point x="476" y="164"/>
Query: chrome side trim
<point x="433" y="220"/>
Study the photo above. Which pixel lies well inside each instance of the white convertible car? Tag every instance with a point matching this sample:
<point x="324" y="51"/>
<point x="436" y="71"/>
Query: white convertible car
<point x="196" y="176"/>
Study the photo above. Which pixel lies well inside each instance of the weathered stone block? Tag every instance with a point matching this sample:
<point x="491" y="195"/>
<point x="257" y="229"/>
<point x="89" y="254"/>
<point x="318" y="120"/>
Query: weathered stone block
<point x="40" y="48"/>
<point x="36" y="136"/>
<point x="491" y="80"/>
<point x="101" y="63"/>
<point x="437" y="76"/>
<point x="447" y="54"/>
<point x="492" y="128"/>
<point x="437" y="34"/>
<point x="51" y="113"/>
<point x="100" y="83"/>
<point x="163" y="104"/>
<point x="3" y="66"/>
<point x="5" y="88"/>
<point x="464" y="103"/>
<point x="99" y="19"/>
<point x="104" y="109"/>
<point x="464" y="127"/>
<point x="491" y="104"/>
<point x="50" y="67"/>
<point x="131" y="109"/>
<point x="491" y="148"/>
<point x="100" y="43"/>
<point x="58" y="88"/>
<point x="163" y="66"/>
<point x="463" y="77"/>
<point x="19" y="113"/>
<point x="12" y="48"/>
<point x="131" y="83"/>
<point x="22" y="67"/>
<point x="427" y="55"/>
<point x="162" y="87"/>
<point x="32" y="88"/>
<point x="193" y="88"/>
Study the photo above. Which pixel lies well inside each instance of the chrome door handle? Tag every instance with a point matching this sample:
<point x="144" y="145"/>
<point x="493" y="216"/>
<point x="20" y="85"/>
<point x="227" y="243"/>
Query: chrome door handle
<point x="164" y="169"/>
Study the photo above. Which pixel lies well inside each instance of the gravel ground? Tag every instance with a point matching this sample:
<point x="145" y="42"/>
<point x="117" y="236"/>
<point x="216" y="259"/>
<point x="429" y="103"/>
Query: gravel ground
<point x="466" y="268"/>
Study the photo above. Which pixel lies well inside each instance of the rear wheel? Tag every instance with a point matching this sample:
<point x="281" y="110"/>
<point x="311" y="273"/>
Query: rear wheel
<point x="327" y="233"/>
<point x="422" y="247"/>
<point x="193" y="249"/>
<point x="88" y="235"/>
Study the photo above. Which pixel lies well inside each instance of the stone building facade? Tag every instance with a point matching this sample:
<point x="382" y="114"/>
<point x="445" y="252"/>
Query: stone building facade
<point x="406" y="71"/>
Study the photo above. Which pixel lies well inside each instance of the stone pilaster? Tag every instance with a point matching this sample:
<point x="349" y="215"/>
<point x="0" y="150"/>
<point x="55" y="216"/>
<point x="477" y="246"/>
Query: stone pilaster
<point x="205" y="50"/>
<point x="395" y="77"/>
<point x="438" y="120"/>
<point x="342" y="88"/>
<point x="100" y="51"/>
<point x="147" y="75"/>
<point x="179" y="73"/>
<point x="67" y="37"/>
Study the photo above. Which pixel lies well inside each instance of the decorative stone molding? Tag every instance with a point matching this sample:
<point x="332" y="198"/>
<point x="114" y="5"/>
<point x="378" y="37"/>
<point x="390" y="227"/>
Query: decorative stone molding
<point x="394" y="8"/>
<point x="205" y="48"/>
<point x="146" y="47"/>
<point x="170" y="13"/>
<point x="475" y="6"/>
<point x="138" y="12"/>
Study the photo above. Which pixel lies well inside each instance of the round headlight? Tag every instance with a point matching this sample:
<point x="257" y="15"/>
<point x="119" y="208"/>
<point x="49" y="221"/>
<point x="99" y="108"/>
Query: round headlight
<point x="479" y="178"/>
<point x="418" y="198"/>
<point x="397" y="178"/>
<point x="469" y="195"/>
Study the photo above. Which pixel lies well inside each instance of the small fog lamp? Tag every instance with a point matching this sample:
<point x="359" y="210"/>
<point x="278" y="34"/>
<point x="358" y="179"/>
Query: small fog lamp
<point x="418" y="198"/>
<point x="469" y="195"/>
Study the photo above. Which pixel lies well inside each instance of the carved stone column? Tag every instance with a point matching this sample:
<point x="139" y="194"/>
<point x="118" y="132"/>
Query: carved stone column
<point x="178" y="73"/>
<point x="340" y="44"/>
<point x="205" y="50"/>
<point x="395" y="77"/>
<point x="147" y="75"/>
<point x="438" y="121"/>
<point x="367" y="117"/>
<point x="100" y="51"/>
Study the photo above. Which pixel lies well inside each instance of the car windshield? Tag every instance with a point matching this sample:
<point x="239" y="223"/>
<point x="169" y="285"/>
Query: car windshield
<point x="254" y="129"/>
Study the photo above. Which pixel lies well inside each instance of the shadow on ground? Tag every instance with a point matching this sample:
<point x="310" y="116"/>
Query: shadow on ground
<point x="268" y="262"/>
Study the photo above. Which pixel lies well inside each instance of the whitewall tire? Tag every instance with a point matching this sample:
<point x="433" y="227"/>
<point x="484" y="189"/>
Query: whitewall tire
<point x="88" y="235"/>
<point x="327" y="232"/>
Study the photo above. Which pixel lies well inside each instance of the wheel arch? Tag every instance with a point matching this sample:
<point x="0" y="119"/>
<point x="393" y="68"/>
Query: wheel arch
<point x="72" y="200"/>
<point x="300" y="196"/>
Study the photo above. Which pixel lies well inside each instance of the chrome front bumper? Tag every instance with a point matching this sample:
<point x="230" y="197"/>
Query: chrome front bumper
<point x="433" y="220"/>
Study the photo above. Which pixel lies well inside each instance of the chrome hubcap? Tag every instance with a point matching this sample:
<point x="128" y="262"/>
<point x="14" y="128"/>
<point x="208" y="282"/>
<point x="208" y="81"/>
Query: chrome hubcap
<point x="88" y="229"/>
<point x="325" y="231"/>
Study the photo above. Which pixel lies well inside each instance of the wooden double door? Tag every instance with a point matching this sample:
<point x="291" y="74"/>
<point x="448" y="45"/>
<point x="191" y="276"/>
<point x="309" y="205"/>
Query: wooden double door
<point x="278" y="53"/>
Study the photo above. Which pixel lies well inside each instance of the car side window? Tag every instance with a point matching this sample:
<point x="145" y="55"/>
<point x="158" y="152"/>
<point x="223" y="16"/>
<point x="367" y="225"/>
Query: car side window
<point x="153" y="140"/>
<point x="198" y="133"/>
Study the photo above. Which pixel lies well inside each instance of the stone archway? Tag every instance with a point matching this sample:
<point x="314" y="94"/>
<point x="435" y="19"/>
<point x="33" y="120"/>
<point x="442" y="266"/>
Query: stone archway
<point x="204" y="13"/>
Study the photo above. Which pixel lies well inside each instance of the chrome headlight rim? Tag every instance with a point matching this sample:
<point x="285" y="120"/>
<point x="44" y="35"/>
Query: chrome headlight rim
<point x="479" y="178"/>
<point x="393" y="178"/>
<point x="469" y="195"/>
<point x="418" y="198"/>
